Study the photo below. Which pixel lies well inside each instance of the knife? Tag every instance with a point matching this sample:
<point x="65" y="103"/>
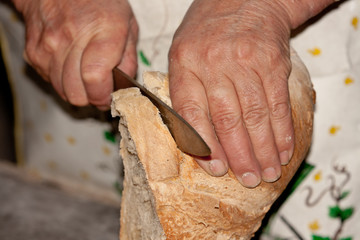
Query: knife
<point x="185" y="136"/>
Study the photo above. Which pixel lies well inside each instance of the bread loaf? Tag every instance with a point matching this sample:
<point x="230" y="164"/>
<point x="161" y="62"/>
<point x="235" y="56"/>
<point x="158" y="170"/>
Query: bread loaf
<point x="168" y="196"/>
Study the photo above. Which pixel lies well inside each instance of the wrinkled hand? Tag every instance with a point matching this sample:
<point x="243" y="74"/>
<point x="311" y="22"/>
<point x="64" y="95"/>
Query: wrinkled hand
<point x="229" y="65"/>
<point x="75" y="45"/>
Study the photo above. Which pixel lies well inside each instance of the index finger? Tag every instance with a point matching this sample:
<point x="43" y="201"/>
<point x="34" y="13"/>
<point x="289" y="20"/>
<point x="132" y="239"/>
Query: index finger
<point x="100" y="56"/>
<point x="189" y="100"/>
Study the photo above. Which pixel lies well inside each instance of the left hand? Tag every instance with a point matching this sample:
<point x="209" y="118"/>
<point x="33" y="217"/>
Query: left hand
<point x="76" y="44"/>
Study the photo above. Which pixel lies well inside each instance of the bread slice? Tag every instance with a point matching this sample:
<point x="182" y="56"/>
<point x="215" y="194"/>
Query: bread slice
<point x="168" y="196"/>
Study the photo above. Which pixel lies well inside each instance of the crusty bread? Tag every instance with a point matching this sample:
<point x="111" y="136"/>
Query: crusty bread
<point x="168" y="196"/>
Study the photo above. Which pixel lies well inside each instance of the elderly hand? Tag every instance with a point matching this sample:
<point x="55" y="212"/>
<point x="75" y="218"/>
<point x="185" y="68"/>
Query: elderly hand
<point x="229" y="65"/>
<point x="75" y="45"/>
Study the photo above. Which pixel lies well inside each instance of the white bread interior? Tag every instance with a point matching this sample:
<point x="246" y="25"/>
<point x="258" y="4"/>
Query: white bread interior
<point x="168" y="196"/>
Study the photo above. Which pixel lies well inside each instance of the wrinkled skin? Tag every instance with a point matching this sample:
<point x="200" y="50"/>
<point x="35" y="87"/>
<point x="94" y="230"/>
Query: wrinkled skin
<point x="229" y="64"/>
<point x="75" y="45"/>
<point x="228" y="76"/>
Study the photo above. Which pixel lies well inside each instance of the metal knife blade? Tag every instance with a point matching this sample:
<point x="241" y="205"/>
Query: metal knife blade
<point x="185" y="136"/>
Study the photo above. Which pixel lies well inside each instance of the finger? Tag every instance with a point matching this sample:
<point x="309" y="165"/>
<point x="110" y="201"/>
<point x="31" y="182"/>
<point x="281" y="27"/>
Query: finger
<point x="58" y="48"/>
<point x="189" y="100"/>
<point x="55" y="75"/>
<point x="34" y="54"/>
<point x="129" y="60"/>
<point x="100" y="56"/>
<point x="47" y="55"/>
<point x="280" y="112"/>
<point x="255" y="114"/>
<point x="227" y="120"/>
<point x="73" y="85"/>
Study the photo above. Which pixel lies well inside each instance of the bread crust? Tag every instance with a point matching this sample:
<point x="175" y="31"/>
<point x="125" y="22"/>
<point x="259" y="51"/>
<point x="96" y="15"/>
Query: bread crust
<point x="184" y="201"/>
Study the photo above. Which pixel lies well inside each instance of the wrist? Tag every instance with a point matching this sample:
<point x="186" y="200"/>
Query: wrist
<point x="299" y="11"/>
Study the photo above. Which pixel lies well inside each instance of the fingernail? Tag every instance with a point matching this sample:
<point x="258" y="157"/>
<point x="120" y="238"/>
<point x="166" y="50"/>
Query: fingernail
<point x="217" y="167"/>
<point x="284" y="157"/>
<point x="270" y="175"/>
<point x="249" y="180"/>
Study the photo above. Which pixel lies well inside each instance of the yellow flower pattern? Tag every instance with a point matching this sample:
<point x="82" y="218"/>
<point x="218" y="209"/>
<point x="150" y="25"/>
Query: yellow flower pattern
<point x="318" y="176"/>
<point x="315" y="51"/>
<point x="333" y="130"/>
<point x="106" y="150"/>
<point x="71" y="140"/>
<point x="348" y="81"/>
<point x="320" y="199"/>
<point x="354" y="22"/>
<point x="314" y="226"/>
<point x="48" y="138"/>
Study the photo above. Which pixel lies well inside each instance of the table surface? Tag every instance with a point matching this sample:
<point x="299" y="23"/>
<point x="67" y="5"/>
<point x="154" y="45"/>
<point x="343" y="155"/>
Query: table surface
<point x="33" y="210"/>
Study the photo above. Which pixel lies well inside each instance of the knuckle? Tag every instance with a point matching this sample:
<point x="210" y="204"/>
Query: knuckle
<point x="93" y="74"/>
<point x="224" y="116"/>
<point x="254" y="116"/>
<point x="192" y="112"/>
<point x="280" y="110"/>
<point x="244" y="51"/>
<point x="50" y="41"/>
<point x="225" y="122"/>
<point x="214" y="52"/>
<point x="179" y="51"/>
<point x="31" y="55"/>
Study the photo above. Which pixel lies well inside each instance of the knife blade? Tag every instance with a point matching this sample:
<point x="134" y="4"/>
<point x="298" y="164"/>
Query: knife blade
<point x="186" y="137"/>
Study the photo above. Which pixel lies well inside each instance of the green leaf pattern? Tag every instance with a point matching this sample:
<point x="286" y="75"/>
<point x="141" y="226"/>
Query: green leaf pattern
<point x="144" y="59"/>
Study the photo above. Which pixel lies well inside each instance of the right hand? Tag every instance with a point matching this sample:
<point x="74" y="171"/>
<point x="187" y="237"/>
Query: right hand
<point x="76" y="44"/>
<point x="229" y="66"/>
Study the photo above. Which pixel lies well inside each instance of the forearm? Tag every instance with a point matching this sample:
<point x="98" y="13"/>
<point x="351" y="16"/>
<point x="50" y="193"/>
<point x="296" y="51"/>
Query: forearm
<point x="299" y="11"/>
